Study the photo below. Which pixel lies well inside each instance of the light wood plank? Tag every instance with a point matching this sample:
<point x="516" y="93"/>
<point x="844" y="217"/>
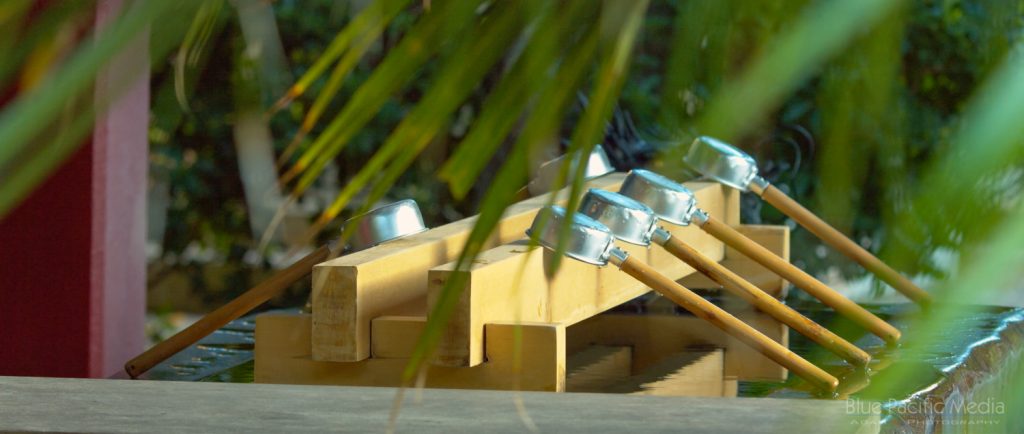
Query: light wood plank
<point x="730" y="387"/>
<point x="391" y="279"/>
<point x="283" y="357"/>
<point x="510" y="283"/>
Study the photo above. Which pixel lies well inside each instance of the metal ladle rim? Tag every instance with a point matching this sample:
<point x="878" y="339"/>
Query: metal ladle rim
<point x="385" y="223"/>
<point x="589" y="240"/>
<point x="628" y="220"/>
<point x="722" y="162"/>
<point x="669" y="200"/>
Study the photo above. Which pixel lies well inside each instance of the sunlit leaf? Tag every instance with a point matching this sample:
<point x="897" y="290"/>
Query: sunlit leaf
<point x="623" y="20"/>
<point x="697" y="24"/>
<point x="990" y="136"/>
<point x="397" y="69"/>
<point x="509" y="97"/>
<point x="335" y="49"/>
<point x="368" y="26"/>
<point x="453" y="83"/>
<point x="798" y="53"/>
<point x="23" y="41"/>
<point x="190" y="52"/>
<point x="25" y="163"/>
<point x="542" y="124"/>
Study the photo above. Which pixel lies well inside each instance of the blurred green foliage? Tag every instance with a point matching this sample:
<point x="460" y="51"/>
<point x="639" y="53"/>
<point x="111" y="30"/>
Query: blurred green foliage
<point x="897" y="121"/>
<point x="195" y="151"/>
<point x="932" y="54"/>
<point x="876" y="113"/>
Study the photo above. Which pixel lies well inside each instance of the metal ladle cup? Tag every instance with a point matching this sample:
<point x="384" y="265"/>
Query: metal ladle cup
<point x="382" y="224"/>
<point x="675" y="203"/>
<point x="730" y="166"/>
<point x="634" y="222"/>
<point x="389" y="222"/>
<point x="597" y="165"/>
<point x="725" y="163"/>
<point x="592" y="242"/>
<point x="378" y="226"/>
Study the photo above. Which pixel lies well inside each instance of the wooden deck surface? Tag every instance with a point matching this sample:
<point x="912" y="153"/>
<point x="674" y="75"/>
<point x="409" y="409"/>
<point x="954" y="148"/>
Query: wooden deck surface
<point x="75" y="405"/>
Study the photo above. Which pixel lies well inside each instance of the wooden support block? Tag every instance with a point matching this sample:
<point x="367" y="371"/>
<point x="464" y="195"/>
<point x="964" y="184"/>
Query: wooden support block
<point x="597" y="366"/>
<point x="391" y="278"/>
<point x="510" y="283"/>
<point x="654" y="336"/>
<point x="774" y="238"/>
<point x="283" y="356"/>
<point x="685" y="373"/>
<point x="731" y="215"/>
<point x="730" y="387"/>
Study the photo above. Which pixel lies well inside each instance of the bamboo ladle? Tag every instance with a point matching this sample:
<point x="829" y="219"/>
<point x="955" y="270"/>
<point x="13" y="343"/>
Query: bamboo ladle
<point x="395" y="220"/>
<point x="676" y="204"/>
<point x="633" y="222"/>
<point x="730" y="166"/>
<point x="592" y="242"/>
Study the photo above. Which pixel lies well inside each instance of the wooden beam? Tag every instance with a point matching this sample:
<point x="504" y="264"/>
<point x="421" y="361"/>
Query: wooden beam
<point x="774" y="238"/>
<point x="654" y="336"/>
<point x="283" y="356"/>
<point x="391" y="279"/>
<point x="510" y="283"/>
<point x="283" y="352"/>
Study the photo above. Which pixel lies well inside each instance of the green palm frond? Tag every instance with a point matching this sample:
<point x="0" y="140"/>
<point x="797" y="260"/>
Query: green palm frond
<point x="542" y="125"/>
<point x="192" y="49"/>
<point x="366" y="28"/>
<point x="484" y="44"/>
<point x="400" y="66"/>
<point x="553" y="30"/>
<point x="798" y="53"/>
<point x="728" y="68"/>
<point x="31" y="149"/>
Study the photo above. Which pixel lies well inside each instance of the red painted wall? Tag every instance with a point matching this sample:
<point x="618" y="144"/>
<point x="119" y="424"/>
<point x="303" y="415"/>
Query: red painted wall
<point x="44" y="276"/>
<point x="72" y="256"/>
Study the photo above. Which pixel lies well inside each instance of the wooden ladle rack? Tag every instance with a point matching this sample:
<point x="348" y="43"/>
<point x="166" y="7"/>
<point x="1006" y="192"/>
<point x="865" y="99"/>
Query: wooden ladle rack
<point x="370" y="307"/>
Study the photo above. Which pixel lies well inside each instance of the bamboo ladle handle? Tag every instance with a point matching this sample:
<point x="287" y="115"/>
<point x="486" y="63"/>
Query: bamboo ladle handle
<point x="707" y="311"/>
<point x="762" y="300"/>
<point x="842" y="243"/>
<point x="798" y="277"/>
<point x="231" y="311"/>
